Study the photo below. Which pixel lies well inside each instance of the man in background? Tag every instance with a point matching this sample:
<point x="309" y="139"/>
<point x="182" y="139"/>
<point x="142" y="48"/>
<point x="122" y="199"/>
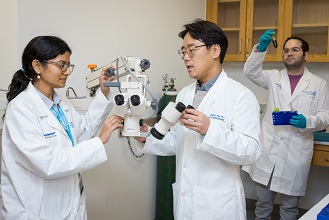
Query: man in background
<point x="287" y="150"/>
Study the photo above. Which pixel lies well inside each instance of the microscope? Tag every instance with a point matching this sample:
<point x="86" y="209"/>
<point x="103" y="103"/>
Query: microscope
<point x="131" y="101"/>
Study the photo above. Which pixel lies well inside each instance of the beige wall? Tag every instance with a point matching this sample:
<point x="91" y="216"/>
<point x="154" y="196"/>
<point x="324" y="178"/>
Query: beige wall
<point x="8" y="41"/>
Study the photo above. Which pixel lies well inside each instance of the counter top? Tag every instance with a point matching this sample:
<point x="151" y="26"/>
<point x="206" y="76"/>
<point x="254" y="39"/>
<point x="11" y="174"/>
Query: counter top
<point x="326" y="143"/>
<point x="314" y="211"/>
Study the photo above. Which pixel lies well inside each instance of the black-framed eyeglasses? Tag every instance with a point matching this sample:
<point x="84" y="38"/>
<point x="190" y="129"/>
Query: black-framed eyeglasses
<point x="190" y="51"/>
<point x="293" y="50"/>
<point x="62" y="66"/>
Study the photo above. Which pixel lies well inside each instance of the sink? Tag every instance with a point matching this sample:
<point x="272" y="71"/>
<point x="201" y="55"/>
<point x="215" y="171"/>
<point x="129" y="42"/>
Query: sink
<point x="81" y="104"/>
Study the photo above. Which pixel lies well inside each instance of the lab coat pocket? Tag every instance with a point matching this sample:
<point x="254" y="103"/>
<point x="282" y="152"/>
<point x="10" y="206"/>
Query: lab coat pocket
<point x="300" y="151"/>
<point x="58" y="199"/>
<point x="213" y="204"/>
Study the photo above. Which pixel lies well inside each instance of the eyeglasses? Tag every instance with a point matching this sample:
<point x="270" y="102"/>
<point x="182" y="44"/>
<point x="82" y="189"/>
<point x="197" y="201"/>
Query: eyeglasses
<point x="190" y="51"/>
<point x="293" y="50"/>
<point x="62" y="66"/>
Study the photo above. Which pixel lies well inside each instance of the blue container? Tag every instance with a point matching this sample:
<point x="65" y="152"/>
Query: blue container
<point x="282" y="117"/>
<point x="324" y="214"/>
<point x="321" y="136"/>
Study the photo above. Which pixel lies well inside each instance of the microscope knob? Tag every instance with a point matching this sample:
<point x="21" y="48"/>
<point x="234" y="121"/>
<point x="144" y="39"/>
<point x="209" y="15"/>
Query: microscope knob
<point x="92" y="67"/>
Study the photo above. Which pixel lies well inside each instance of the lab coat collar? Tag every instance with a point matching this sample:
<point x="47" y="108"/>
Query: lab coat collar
<point x="285" y="82"/>
<point x="220" y="83"/>
<point x="302" y="84"/>
<point x="42" y="110"/>
<point x="218" y="86"/>
<point x="35" y="98"/>
<point x="285" y="90"/>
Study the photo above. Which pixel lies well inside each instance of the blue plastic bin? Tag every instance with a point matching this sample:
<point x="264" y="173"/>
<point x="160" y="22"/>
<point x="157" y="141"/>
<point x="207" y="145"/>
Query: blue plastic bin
<point x="324" y="214"/>
<point x="282" y="117"/>
<point x="321" y="136"/>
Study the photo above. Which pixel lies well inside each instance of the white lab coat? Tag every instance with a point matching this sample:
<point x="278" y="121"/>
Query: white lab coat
<point x="39" y="178"/>
<point x="286" y="149"/>
<point x="208" y="184"/>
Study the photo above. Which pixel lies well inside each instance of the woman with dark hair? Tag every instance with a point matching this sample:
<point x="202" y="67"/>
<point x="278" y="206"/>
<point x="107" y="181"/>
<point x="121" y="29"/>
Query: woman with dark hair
<point x="45" y="142"/>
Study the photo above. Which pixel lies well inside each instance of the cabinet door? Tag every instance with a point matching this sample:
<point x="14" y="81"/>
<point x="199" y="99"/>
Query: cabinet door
<point x="263" y="15"/>
<point x="310" y="20"/>
<point x="230" y="15"/>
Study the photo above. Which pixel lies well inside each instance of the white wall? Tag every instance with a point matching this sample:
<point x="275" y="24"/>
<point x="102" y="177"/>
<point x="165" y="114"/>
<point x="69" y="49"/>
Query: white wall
<point x="100" y="31"/>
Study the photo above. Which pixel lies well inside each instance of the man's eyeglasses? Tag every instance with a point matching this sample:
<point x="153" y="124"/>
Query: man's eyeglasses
<point x="190" y="51"/>
<point x="62" y="66"/>
<point x="293" y="50"/>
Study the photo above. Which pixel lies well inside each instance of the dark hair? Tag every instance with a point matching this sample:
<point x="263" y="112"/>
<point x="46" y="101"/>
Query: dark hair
<point x="305" y="46"/>
<point x="42" y="48"/>
<point x="207" y="32"/>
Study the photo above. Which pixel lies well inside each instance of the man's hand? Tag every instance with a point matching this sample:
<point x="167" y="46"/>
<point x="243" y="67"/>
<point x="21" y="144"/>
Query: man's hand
<point x="144" y="128"/>
<point x="265" y="40"/>
<point x="195" y="120"/>
<point x="298" y="121"/>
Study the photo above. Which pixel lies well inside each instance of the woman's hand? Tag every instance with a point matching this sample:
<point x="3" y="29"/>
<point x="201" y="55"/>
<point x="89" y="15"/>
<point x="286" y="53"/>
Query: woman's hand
<point x="110" y="124"/>
<point x="103" y="77"/>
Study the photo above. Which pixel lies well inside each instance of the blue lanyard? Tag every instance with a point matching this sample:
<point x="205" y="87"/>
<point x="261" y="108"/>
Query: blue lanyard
<point x="63" y="121"/>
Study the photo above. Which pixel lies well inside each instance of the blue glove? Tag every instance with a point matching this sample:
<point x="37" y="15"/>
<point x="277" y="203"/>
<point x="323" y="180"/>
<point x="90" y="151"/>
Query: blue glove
<point x="298" y="121"/>
<point x="265" y="40"/>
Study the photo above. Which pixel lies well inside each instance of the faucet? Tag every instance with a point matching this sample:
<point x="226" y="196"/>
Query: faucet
<point x="68" y="92"/>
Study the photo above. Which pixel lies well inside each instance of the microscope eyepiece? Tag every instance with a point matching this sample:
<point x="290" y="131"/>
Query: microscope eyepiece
<point x="180" y="107"/>
<point x="169" y="117"/>
<point x="119" y="99"/>
<point x="135" y="100"/>
<point x="157" y="134"/>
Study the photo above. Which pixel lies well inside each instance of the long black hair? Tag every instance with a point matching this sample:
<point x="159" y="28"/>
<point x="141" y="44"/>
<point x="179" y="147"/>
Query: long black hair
<point x="209" y="33"/>
<point x="42" y="48"/>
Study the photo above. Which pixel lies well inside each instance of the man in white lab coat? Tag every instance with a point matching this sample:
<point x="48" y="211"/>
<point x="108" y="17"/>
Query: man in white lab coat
<point x="216" y="137"/>
<point x="287" y="150"/>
